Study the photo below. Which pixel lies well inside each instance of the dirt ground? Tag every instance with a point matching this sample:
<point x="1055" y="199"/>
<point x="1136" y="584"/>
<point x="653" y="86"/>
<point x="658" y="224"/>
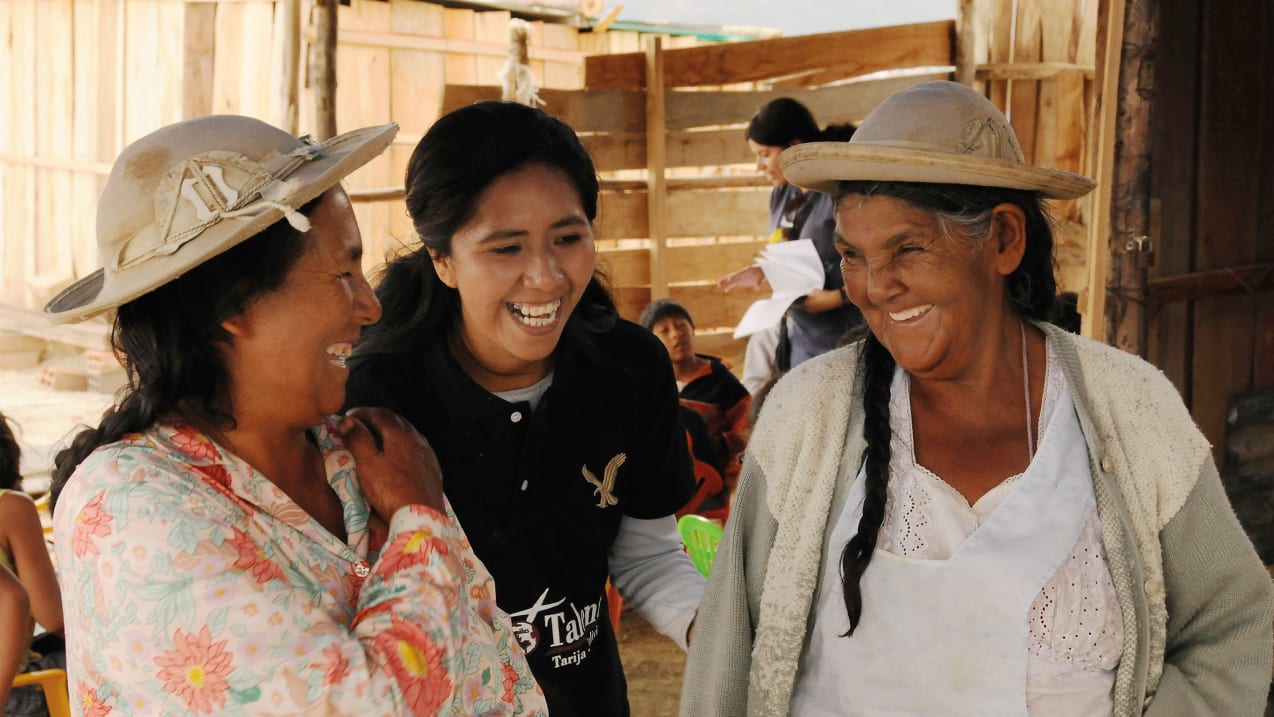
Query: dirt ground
<point x="653" y="665"/>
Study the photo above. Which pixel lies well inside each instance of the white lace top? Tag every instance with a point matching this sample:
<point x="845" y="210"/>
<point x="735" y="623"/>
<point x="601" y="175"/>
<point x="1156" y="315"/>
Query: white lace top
<point x="1076" y="633"/>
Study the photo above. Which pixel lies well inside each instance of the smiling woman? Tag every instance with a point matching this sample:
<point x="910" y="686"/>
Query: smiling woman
<point x="556" y="422"/>
<point x="226" y="544"/>
<point x="1026" y="522"/>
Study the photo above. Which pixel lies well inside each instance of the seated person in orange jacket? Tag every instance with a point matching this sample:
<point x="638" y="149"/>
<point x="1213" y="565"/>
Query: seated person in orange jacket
<point x="705" y="385"/>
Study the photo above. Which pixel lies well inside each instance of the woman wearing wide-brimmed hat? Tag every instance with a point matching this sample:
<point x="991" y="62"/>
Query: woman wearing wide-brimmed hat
<point x="227" y="545"/>
<point x="970" y="512"/>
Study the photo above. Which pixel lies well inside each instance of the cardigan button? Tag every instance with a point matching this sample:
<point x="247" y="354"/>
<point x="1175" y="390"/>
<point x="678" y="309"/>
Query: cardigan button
<point x="1146" y="705"/>
<point x="361" y="570"/>
<point x="516" y="416"/>
<point x="1107" y="465"/>
<point x="1154" y="588"/>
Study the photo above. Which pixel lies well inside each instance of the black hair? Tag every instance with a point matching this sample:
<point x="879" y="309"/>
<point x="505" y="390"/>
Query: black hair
<point x="661" y="309"/>
<point x="170" y="341"/>
<point x="784" y="121"/>
<point x="462" y="154"/>
<point x="10" y="457"/>
<point x="1029" y="289"/>
<point x="1065" y="312"/>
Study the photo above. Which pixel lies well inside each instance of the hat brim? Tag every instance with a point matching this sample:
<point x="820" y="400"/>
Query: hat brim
<point x="342" y="155"/>
<point x="820" y="166"/>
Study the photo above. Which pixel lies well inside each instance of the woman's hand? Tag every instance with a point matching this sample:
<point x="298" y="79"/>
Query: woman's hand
<point x="820" y="300"/>
<point x="396" y="465"/>
<point x="750" y="278"/>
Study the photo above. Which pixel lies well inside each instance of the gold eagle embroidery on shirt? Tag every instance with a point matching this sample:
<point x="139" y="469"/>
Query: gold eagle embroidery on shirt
<point x="604" y="487"/>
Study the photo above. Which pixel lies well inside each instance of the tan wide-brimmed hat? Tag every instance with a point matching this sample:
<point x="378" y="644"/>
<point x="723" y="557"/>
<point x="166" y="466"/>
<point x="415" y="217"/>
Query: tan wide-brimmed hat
<point x="935" y="132"/>
<point x="192" y="190"/>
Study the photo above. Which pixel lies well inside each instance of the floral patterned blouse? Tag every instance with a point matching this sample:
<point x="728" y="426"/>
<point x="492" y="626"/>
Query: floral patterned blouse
<point x="192" y="585"/>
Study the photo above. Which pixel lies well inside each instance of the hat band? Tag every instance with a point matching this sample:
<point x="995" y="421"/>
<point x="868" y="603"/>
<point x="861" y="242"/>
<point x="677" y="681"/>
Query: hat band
<point x="200" y="193"/>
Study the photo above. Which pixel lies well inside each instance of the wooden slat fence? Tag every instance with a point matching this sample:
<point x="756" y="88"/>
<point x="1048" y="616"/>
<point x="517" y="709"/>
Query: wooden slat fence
<point x="85" y="77"/>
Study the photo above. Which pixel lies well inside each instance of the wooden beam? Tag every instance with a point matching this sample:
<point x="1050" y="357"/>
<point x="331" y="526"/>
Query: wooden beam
<point x="686" y="263"/>
<point x="656" y="165"/>
<point x="200" y="37"/>
<point x="1197" y="285"/>
<point x="69" y="165"/>
<point x="1032" y="70"/>
<point x="404" y="41"/>
<point x="323" y="68"/>
<point x="604" y="24"/>
<point x="689" y="213"/>
<point x="287" y="33"/>
<point x="966" y="43"/>
<point x="1105" y="107"/>
<point x="861" y="52"/>
<point x="583" y="111"/>
<point x="850" y="102"/>
<point x="606" y="111"/>
<point x="93" y="334"/>
<point x="1130" y="184"/>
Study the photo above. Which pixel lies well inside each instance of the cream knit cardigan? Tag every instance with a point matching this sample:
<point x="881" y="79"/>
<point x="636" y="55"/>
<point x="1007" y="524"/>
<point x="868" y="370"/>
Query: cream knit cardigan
<point x="1145" y="452"/>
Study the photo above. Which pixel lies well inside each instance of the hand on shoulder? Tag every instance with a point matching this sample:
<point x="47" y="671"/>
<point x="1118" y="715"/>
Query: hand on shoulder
<point x="396" y="465"/>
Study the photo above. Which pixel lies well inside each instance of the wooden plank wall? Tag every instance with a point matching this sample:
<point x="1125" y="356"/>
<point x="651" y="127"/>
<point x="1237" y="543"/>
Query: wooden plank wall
<point x="1036" y="62"/>
<point x="83" y="78"/>
<point x="126" y="67"/>
<point x="1212" y="188"/>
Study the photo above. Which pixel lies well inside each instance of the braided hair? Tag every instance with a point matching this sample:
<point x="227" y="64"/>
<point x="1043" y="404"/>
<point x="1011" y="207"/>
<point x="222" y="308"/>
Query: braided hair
<point x="1031" y="289"/>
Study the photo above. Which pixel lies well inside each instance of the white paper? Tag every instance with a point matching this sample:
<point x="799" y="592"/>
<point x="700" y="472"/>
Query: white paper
<point x="793" y="269"/>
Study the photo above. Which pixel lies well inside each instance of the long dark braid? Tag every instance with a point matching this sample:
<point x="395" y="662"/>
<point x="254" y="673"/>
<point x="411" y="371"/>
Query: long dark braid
<point x="877" y="373"/>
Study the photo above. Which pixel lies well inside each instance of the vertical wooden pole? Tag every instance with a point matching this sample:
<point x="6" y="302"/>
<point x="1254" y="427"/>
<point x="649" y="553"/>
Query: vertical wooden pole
<point x="287" y="43"/>
<point x="1130" y="255"/>
<point x="323" y="68"/>
<point x="1110" y="33"/>
<point x="966" y="44"/>
<point x="199" y="51"/>
<point x="656" y="162"/>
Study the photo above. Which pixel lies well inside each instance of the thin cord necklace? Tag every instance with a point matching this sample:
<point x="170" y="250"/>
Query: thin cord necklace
<point x="1026" y="389"/>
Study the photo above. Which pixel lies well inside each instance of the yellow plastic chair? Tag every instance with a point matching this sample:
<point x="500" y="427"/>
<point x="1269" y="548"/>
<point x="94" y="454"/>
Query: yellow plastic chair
<point x="701" y="538"/>
<point x="53" y="683"/>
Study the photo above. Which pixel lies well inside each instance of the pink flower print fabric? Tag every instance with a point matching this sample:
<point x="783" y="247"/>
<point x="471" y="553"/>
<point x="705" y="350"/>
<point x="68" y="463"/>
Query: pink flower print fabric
<point x="192" y="585"/>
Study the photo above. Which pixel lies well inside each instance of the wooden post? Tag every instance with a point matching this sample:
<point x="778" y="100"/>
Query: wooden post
<point x="966" y="43"/>
<point x="287" y="40"/>
<point x="656" y="162"/>
<point x="1110" y="32"/>
<point x="323" y="68"/>
<point x="1130" y="241"/>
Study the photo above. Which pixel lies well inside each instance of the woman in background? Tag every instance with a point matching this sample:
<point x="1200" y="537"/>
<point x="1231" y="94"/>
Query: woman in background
<point x="817" y="322"/>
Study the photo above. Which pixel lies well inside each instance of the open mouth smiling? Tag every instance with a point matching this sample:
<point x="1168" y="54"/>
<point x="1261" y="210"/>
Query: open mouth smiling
<point x="536" y="315"/>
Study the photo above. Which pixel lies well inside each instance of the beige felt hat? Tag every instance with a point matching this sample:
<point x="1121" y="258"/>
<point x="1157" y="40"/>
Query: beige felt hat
<point x="189" y="191"/>
<point x="935" y="132"/>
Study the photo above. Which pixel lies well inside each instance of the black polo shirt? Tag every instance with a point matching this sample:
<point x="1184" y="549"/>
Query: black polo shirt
<point x="541" y="494"/>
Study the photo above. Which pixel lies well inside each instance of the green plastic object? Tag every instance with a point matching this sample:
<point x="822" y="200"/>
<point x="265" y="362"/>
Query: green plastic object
<point x="701" y="537"/>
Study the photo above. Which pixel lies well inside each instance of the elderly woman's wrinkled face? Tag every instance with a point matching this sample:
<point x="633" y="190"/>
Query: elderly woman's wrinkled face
<point x="932" y="298"/>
